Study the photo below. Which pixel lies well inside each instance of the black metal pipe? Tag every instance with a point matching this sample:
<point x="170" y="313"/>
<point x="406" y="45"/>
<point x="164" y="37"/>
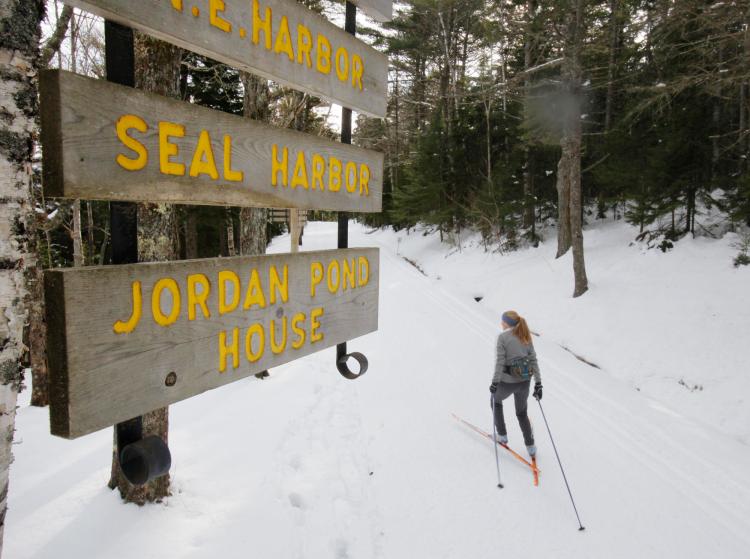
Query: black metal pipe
<point x="120" y="66"/>
<point x="350" y="26"/>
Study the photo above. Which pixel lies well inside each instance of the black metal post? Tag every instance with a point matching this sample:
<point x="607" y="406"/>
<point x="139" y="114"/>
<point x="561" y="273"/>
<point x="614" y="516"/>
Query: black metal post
<point x="141" y="460"/>
<point x="350" y="26"/>
<point x="120" y="66"/>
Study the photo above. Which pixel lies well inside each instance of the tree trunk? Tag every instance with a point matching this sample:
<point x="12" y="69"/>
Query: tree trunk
<point x="563" y="204"/>
<point x="191" y="234"/>
<point x="569" y="169"/>
<point x="528" y="172"/>
<point x="75" y="234"/>
<point x="37" y="338"/>
<point x="614" y="41"/>
<point x="253" y="234"/>
<point x="19" y="52"/>
<point x="157" y="70"/>
<point x="90" y="233"/>
<point x="229" y="224"/>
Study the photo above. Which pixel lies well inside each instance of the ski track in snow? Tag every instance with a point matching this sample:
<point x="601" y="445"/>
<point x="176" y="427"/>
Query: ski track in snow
<point x="308" y="465"/>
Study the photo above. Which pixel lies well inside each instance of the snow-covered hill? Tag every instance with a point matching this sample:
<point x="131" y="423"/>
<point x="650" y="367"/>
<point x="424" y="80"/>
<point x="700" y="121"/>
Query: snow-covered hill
<point x="306" y="464"/>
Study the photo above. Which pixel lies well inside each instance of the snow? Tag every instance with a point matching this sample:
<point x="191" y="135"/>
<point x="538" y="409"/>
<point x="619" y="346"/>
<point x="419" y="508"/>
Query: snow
<point x="305" y="464"/>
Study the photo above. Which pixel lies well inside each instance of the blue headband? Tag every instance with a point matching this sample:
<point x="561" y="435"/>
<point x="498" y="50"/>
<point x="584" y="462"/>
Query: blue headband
<point x="508" y="320"/>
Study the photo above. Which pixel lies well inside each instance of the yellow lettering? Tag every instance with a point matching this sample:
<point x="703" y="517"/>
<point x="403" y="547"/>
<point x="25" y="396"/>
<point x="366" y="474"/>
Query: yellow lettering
<point x="358" y="69"/>
<point x="254" y="295"/>
<point x="159" y="317"/>
<point x="135" y="315"/>
<point x="350" y="175"/>
<point x="315" y="315"/>
<point x="229" y="173"/>
<point x="323" y="55"/>
<point x="334" y="174"/>
<point x="279" y="166"/>
<point x="283" y="44"/>
<point x="255" y="329"/>
<point x="278" y="348"/>
<point x="304" y="45"/>
<point x="261" y="24"/>
<point x="299" y="178"/>
<point x="125" y="123"/>
<point x="167" y="149"/>
<point x="334" y="276"/>
<point x="228" y="277"/>
<point x="364" y="180"/>
<point x="349" y="273"/>
<point x="318" y="169"/>
<point x="364" y="271"/>
<point x="342" y="64"/>
<point x="225" y="350"/>
<point x="177" y="5"/>
<point x="203" y="159"/>
<point x="215" y="7"/>
<point x="278" y="284"/>
<point x="316" y="276"/>
<point x="196" y="299"/>
<point x="300" y="341"/>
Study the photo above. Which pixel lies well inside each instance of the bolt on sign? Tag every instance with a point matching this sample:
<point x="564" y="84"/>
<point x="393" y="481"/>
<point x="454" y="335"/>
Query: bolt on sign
<point x="125" y="340"/>
<point x="277" y="39"/>
<point x="380" y="10"/>
<point x="109" y="142"/>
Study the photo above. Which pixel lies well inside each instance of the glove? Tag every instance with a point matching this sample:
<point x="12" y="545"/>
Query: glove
<point x="493" y="387"/>
<point x="538" y="391"/>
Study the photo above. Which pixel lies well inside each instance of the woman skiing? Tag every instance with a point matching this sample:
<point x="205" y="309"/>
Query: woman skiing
<point x="515" y="365"/>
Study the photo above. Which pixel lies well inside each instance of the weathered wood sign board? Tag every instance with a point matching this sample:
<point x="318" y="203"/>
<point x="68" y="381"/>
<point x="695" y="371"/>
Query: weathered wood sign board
<point x="380" y="10"/>
<point x="109" y="142"/>
<point x="278" y="39"/>
<point x="125" y="340"/>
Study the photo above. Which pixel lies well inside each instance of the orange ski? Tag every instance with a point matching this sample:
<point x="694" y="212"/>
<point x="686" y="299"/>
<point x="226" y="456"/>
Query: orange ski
<point x="534" y="469"/>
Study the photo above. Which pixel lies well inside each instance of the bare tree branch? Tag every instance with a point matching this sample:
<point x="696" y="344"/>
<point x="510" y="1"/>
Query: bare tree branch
<point x="54" y="42"/>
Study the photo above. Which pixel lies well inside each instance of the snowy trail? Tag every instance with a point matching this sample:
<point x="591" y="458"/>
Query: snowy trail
<point x="308" y="465"/>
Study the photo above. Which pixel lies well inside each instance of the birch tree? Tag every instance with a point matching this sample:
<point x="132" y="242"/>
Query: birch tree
<point x="19" y="53"/>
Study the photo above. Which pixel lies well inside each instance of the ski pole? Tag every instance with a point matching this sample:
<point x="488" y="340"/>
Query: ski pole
<point x="580" y="526"/>
<point x="494" y="439"/>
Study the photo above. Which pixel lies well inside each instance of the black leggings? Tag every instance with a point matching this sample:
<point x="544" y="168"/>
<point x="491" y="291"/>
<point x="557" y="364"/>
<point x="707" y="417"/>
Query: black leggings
<point x="520" y="391"/>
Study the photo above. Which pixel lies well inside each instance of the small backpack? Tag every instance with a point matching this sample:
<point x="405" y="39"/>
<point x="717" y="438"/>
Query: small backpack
<point x="520" y="368"/>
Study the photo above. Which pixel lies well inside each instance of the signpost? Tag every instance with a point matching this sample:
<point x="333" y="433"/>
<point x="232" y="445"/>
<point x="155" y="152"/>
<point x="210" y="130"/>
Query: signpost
<point x="277" y="39"/>
<point x="128" y="339"/>
<point x="108" y="142"/>
<point x="380" y="10"/>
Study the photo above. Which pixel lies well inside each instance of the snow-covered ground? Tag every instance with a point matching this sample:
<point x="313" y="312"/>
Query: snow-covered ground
<point x="306" y="464"/>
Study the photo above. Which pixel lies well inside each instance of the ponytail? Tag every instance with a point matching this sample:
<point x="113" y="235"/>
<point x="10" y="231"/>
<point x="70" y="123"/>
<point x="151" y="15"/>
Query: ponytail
<point x="520" y="327"/>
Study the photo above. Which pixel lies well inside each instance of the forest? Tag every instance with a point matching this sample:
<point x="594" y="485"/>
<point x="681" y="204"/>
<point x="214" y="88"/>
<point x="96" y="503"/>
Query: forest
<point x="498" y="113"/>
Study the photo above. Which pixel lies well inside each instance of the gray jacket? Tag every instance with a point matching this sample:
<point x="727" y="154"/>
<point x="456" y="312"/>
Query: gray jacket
<point x="509" y="347"/>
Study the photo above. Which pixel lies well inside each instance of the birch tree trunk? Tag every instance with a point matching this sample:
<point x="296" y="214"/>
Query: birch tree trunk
<point x="75" y="232"/>
<point x="157" y="69"/>
<point x="19" y="52"/>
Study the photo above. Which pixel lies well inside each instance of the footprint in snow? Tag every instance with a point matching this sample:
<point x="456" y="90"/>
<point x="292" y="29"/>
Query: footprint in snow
<point x="296" y="500"/>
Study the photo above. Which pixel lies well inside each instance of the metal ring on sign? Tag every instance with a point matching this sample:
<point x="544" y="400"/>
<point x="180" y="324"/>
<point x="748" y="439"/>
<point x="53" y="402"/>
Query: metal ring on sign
<point x="343" y="366"/>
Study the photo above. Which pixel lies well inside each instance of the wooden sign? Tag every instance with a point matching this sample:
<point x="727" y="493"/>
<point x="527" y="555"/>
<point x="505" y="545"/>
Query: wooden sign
<point x="125" y="340"/>
<point x="109" y="142"/>
<point x="380" y="10"/>
<point x="277" y="39"/>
